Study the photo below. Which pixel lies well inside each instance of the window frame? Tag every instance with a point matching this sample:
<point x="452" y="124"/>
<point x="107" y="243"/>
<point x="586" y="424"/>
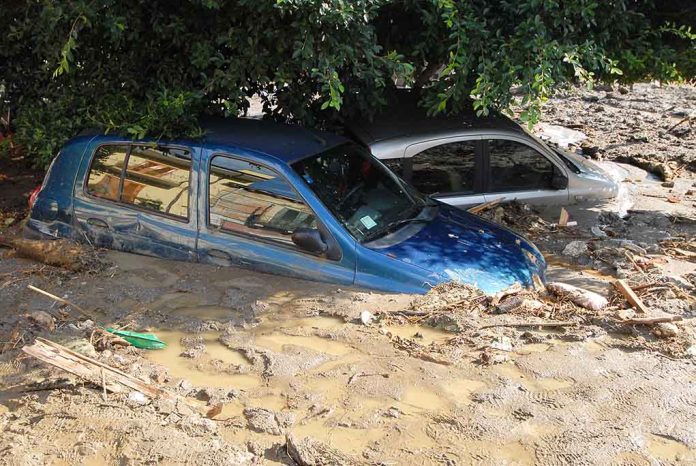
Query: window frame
<point x="407" y="164"/>
<point x="213" y="229"/>
<point x="487" y="164"/>
<point x="184" y="220"/>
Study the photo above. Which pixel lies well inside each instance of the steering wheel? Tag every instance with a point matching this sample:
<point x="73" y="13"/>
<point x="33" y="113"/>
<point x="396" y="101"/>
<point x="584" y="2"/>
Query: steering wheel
<point x="349" y="195"/>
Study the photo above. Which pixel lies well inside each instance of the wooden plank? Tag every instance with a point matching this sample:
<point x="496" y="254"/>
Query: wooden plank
<point x="651" y="320"/>
<point x="485" y="206"/>
<point x="91" y="369"/>
<point x="630" y="296"/>
<point x="563" y="219"/>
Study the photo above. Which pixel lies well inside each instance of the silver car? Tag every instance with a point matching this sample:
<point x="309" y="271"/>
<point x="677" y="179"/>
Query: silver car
<point x="467" y="160"/>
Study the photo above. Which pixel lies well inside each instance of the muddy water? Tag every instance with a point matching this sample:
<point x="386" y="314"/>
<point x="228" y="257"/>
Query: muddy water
<point x="202" y="371"/>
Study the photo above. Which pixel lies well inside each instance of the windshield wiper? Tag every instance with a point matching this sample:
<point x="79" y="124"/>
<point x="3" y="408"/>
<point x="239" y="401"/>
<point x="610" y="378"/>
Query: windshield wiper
<point x="393" y="225"/>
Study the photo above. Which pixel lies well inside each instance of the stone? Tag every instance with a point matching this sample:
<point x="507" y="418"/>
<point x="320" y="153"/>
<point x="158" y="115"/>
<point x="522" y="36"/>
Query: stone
<point x="666" y="330"/>
<point x="164" y="406"/>
<point x="82" y="346"/>
<point x="575" y="249"/>
<point x="596" y="231"/>
<point x="680" y="282"/>
<point x="197" y="426"/>
<point x="43" y="319"/>
<point x="266" y="421"/>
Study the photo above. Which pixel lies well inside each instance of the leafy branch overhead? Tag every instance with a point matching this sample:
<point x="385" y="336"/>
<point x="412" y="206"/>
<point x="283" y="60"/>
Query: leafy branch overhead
<point x="152" y="68"/>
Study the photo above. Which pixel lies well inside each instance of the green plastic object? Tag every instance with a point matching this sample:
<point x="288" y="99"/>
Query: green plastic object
<point x="139" y="340"/>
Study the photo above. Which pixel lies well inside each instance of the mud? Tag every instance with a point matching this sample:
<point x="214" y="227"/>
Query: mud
<point x="289" y="372"/>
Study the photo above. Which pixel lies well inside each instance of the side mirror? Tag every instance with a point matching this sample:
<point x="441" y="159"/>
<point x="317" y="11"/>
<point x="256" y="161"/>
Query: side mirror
<point x="559" y="180"/>
<point x="309" y="239"/>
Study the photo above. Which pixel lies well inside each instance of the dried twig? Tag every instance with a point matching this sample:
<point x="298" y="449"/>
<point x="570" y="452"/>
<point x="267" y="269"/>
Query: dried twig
<point x="567" y="323"/>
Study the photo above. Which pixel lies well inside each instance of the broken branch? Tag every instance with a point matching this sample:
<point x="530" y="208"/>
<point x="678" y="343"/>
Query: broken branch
<point x="630" y="296"/>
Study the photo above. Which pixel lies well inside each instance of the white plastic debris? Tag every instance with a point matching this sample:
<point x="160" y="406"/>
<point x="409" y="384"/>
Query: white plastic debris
<point x="366" y="317"/>
<point x="137" y="398"/>
<point x="502" y="343"/>
<point x="584" y="298"/>
<point x="559" y="134"/>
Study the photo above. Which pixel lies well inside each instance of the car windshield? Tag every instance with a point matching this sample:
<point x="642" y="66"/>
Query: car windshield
<point x="360" y="191"/>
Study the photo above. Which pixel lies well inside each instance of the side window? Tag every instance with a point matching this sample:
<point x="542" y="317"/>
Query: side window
<point x="105" y="173"/>
<point x="158" y="180"/>
<point x="155" y="179"/>
<point x="395" y="165"/>
<point x="447" y="168"/>
<point x="517" y="167"/>
<point x="250" y="199"/>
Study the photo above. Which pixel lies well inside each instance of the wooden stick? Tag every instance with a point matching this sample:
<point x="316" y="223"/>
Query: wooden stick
<point x="563" y="219"/>
<point x="61" y="300"/>
<point x="89" y="369"/>
<point x="651" y="320"/>
<point x="533" y="324"/>
<point x="103" y="377"/>
<point x="630" y="296"/>
<point x="485" y="206"/>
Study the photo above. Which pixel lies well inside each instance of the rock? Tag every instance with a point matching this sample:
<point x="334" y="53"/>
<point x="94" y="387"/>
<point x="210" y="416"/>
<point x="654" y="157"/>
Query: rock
<point x="668" y="184"/>
<point x="136" y="399"/>
<point x="82" y="346"/>
<point x="666" y="330"/>
<point x="86" y="324"/>
<point x="312" y="452"/>
<point x="366" y="317"/>
<point x="185" y="385"/>
<point x="680" y="282"/>
<point x="596" y="231"/>
<point x="575" y="249"/>
<point x="267" y="421"/>
<point x="164" y="406"/>
<point x="691" y="351"/>
<point x="197" y="426"/>
<point x="43" y="319"/>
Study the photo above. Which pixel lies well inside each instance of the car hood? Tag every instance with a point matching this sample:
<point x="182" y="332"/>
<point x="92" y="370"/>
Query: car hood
<point x="461" y="247"/>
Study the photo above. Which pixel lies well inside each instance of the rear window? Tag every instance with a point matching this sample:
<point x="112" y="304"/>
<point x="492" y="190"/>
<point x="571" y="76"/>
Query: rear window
<point x="155" y="179"/>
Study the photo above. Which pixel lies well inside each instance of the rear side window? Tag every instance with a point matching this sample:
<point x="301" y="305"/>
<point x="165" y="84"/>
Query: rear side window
<point x="105" y="173"/>
<point x="251" y="199"/>
<point x="447" y="168"/>
<point x="517" y="167"/>
<point x="151" y="178"/>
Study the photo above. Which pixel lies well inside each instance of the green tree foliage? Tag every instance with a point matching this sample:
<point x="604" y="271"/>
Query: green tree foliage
<point x="154" y="67"/>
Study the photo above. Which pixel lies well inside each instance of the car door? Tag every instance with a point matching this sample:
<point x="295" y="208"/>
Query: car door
<point x="517" y="170"/>
<point x="448" y="170"/>
<point x="249" y="214"/>
<point x="137" y="198"/>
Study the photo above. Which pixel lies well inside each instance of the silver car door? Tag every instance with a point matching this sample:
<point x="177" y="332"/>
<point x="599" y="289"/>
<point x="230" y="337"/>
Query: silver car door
<point x="518" y="170"/>
<point x="448" y="169"/>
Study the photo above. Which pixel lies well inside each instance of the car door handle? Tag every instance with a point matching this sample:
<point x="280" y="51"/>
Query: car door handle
<point x="97" y="222"/>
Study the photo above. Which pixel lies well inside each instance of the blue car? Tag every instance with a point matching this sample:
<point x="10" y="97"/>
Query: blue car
<point x="274" y="198"/>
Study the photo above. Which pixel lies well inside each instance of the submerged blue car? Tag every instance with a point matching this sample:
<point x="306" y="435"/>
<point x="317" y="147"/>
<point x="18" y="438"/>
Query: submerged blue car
<point x="273" y="198"/>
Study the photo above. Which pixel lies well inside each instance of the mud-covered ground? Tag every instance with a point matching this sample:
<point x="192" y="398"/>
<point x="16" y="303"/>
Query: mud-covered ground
<point x="303" y="372"/>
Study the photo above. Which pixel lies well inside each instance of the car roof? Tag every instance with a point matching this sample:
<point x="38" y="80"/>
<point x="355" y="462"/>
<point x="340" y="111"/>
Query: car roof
<point x="403" y="117"/>
<point x="285" y="142"/>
